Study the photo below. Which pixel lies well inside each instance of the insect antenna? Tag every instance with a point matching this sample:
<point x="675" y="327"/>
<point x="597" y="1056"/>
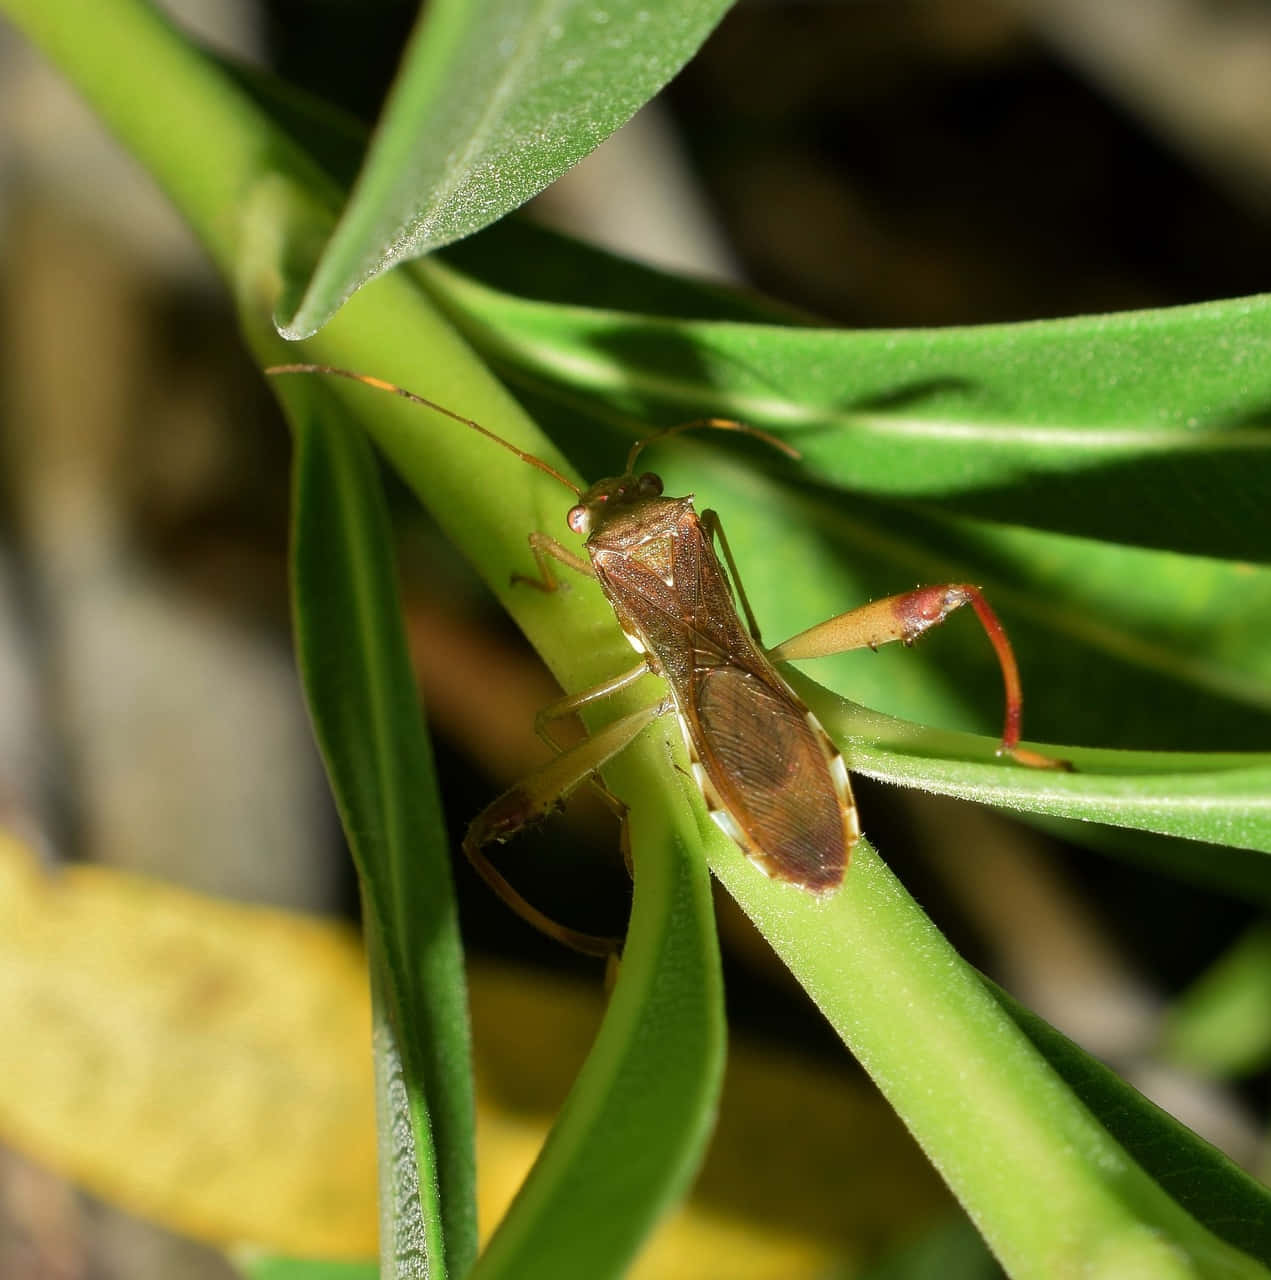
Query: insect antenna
<point x="380" y="385"/>
<point x="709" y="424"/>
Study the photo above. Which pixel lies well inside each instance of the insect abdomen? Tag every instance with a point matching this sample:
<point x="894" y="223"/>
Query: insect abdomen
<point x="777" y="777"/>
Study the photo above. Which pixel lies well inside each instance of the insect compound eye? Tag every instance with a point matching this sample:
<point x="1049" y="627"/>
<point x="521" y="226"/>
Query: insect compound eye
<point x="650" y="484"/>
<point x="578" y="519"/>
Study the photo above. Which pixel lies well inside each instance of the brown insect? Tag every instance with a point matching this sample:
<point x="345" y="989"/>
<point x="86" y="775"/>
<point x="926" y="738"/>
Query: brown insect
<point x="771" y="777"/>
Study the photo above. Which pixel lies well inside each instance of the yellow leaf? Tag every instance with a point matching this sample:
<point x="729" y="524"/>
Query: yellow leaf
<point x="198" y="1062"/>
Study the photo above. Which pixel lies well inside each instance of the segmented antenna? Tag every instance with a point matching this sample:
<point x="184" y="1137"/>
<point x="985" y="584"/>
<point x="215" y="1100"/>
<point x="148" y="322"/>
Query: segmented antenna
<point x="709" y="424"/>
<point x="380" y="385"/>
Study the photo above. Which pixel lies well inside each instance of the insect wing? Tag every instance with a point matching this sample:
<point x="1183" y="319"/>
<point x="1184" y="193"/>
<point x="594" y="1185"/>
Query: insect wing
<point x="771" y="777"/>
<point x="774" y="781"/>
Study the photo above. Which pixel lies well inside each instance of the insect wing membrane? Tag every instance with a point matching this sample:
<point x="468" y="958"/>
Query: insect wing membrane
<point x="775" y="777"/>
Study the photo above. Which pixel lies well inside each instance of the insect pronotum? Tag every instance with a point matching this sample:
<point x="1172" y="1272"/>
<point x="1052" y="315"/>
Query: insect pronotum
<point x="770" y="776"/>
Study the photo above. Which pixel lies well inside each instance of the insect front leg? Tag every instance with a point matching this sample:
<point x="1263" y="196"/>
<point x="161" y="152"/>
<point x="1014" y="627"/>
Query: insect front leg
<point x="905" y="617"/>
<point x="536" y="796"/>
<point x="547" y="549"/>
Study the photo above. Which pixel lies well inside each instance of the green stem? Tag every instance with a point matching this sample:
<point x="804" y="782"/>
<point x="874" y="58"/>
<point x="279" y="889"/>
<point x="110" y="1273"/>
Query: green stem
<point x="173" y="107"/>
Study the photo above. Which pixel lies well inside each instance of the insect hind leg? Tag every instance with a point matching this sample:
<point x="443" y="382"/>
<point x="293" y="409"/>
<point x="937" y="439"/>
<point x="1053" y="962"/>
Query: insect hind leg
<point x="907" y="616"/>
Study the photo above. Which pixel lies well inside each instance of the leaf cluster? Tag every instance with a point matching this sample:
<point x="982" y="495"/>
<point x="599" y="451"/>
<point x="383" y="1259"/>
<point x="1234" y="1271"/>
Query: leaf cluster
<point x="1106" y="480"/>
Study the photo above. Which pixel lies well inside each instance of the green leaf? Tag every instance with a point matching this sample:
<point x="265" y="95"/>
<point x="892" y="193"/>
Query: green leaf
<point x="1052" y="1191"/>
<point x="493" y="102"/>
<point x="1222" y="1024"/>
<point x="952" y="1250"/>
<point x="273" y="1267"/>
<point x="364" y="705"/>
<point x="1235" y="873"/>
<point x="518" y="256"/>
<point x="1205" y="1182"/>
<point x="636" y="1123"/>
<point x="1203" y="796"/>
<point x="1148" y="427"/>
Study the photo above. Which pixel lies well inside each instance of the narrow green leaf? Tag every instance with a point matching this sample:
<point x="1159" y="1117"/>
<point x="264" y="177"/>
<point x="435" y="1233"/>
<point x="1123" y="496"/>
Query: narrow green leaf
<point x="362" y="698"/>
<point x="493" y="102"/>
<point x="953" y="1250"/>
<point x="1149" y="427"/>
<point x="1051" y="1190"/>
<point x="412" y="1227"/>
<point x="1205" y="1182"/>
<point x="518" y="256"/>
<point x="273" y="1267"/>
<point x="1219" y="798"/>
<point x="1222" y="1024"/>
<point x="1234" y="873"/>
<point x="636" y="1123"/>
<point x="515" y="254"/>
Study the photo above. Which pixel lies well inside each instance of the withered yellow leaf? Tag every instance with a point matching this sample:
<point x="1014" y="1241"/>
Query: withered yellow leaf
<point x="199" y="1062"/>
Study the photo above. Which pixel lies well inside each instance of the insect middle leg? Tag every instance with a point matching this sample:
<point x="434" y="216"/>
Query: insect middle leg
<point x="547" y="549"/>
<point x="547" y="788"/>
<point x="536" y="796"/>
<point x="575" y="702"/>
<point x="566" y="706"/>
<point x="905" y="617"/>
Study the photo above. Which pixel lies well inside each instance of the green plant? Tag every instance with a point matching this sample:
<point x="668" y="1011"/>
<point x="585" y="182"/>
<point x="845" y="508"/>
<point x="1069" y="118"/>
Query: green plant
<point x="962" y="450"/>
